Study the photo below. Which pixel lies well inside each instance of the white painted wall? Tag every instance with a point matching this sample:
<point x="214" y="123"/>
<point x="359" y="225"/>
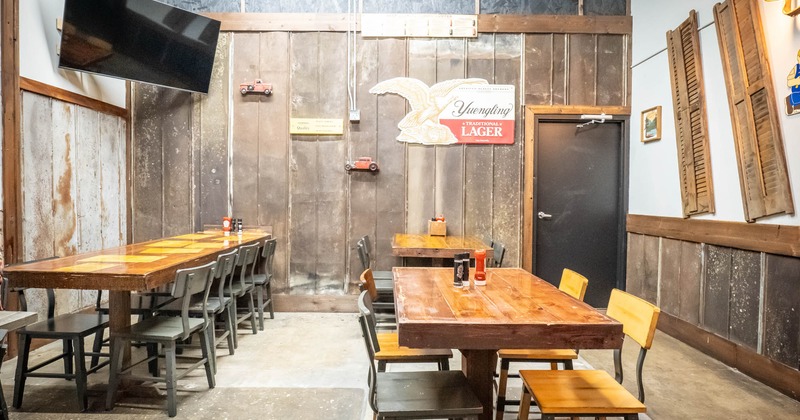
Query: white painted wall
<point x="39" y="40"/>
<point x="654" y="182"/>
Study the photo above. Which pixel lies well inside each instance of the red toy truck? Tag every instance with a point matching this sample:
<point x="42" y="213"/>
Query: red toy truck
<point x="256" y="86"/>
<point x="362" y="164"/>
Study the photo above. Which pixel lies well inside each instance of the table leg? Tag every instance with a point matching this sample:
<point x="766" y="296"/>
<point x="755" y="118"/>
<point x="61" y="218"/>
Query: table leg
<point x="478" y="366"/>
<point x="119" y="314"/>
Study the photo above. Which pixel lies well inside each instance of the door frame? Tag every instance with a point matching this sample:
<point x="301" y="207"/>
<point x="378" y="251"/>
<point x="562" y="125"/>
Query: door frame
<point x="533" y="115"/>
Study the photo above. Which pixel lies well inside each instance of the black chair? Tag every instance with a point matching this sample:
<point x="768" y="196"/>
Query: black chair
<point x="240" y="288"/>
<point x="262" y="282"/>
<point x="415" y="395"/>
<point x="383" y="279"/>
<point x="499" y="251"/>
<point x="191" y="286"/>
<point x="72" y="330"/>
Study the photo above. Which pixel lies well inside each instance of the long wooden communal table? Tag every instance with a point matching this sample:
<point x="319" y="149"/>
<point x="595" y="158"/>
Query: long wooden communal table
<point x="437" y="247"/>
<point x="136" y="267"/>
<point x="514" y="310"/>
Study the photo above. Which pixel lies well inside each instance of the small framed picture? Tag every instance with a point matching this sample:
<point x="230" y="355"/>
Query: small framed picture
<point x="651" y="124"/>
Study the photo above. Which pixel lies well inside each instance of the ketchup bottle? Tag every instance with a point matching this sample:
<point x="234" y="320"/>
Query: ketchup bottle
<point x="480" y="267"/>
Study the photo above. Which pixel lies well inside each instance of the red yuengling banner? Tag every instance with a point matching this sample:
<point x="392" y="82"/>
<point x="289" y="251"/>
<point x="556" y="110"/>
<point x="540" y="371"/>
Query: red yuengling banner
<point x="481" y="114"/>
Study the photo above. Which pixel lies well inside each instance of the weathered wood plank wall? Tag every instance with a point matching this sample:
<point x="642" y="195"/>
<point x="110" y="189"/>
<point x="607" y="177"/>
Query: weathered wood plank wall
<point x="73" y="186"/>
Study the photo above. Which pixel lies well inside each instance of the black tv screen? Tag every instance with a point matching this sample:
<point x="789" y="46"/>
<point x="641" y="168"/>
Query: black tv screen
<point x="140" y="40"/>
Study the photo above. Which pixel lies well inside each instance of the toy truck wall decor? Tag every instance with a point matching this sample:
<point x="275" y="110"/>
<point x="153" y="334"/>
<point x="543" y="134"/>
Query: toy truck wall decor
<point x="256" y="86"/>
<point x="362" y="164"/>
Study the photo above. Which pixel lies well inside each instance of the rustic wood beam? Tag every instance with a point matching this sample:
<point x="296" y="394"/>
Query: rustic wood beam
<point x="774" y="239"/>
<point x="40" y="88"/>
<point x="12" y="222"/>
<point x="338" y="22"/>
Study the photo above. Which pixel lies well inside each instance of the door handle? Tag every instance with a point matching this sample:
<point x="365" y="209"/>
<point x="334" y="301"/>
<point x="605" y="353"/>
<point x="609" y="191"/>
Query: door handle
<point x="544" y="216"/>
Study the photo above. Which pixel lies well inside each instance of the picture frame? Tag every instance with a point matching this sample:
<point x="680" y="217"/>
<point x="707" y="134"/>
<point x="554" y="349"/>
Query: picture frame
<point x="651" y="124"/>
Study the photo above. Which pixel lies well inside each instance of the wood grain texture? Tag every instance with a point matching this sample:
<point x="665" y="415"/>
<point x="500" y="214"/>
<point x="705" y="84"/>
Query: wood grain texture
<point x="782" y="310"/>
<point x="582" y="77"/>
<point x="37" y="177"/>
<point x="560" y="63"/>
<point x="745" y="313"/>
<point x="611" y="71"/>
<point x="539" y="70"/>
<point x="635" y="265"/>
<point x="11" y="109"/>
<point x="178" y="210"/>
<point x="669" y="284"/>
<point x="63" y="95"/>
<point x="294" y="22"/>
<point x="775" y="239"/>
<point x="147" y="164"/>
<point x="427" y="246"/>
<point x="555" y="24"/>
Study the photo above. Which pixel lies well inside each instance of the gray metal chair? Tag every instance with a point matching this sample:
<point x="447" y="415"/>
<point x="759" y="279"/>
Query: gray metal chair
<point x="499" y="251"/>
<point x="262" y="282"/>
<point x="383" y="279"/>
<point x="240" y="288"/>
<point x="72" y="330"/>
<point x="415" y="395"/>
<point x="191" y="285"/>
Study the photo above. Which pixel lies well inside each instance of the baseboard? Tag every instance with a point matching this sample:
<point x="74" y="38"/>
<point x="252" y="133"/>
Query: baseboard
<point x="774" y="374"/>
<point x="315" y="303"/>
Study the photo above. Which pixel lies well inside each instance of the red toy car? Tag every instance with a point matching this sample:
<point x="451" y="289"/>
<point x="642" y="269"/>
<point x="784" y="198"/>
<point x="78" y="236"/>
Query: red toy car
<point x="256" y="86"/>
<point x="362" y="164"/>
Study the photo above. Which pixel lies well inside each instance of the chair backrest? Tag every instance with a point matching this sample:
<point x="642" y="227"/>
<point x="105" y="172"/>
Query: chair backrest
<point x="499" y="251"/>
<point x="637" y="316"/>
<point x="246" y="263"/>
<point x="226" y="262"/>
<point x="366" y="320"/>
<point x="573" y="284"/>
<point x="268" y="256"/>
<point x="368" y="283"/>
<point x="191" y="284"/>
<point x="363" y="254"/>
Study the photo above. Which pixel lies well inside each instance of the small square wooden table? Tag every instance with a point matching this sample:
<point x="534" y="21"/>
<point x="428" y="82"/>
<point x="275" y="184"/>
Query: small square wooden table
<point x="437" y="247"/>
<point x="515" y="309"/>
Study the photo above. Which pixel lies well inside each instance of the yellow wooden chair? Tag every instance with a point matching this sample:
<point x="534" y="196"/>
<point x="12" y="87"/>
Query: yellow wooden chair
<point x="572" y="284"/>
<point x="594" y="392"/>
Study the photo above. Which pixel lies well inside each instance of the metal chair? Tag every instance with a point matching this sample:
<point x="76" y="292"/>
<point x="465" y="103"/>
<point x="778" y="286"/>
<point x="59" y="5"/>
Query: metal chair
<point x="191" y="285"/>
<point x="415" y="395"/>
<point x="384" y="281"/>
<point x="72" y="330"/>
<point x="240" y="288"/>
<point x="384" y="315"/>
<point x="499" y="251"/>
<point x="572" y="284"/>
<point x="594" y="392"/>
<point x="262" y="282"/>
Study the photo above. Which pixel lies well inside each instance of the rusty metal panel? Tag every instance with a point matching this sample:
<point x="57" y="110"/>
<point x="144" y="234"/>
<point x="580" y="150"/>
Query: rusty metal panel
<point x="246" y="120"/>
<point x="690" y="281"/>
<point x="479" y="159"/>
<point x="782" y="309"/>
<point x="669" y="284"/>
<point x="449" y="178"/>
<point x="87" y="177"/>
<point x="421" y="163"/>
<point x="64" y="186"/>
<point x="391" y="154"/>
<point x="538" y="69"/>
<point x="635" y="264"/>
<point x="651" y="261"/>
<point x="178" y="171"/>
<point x="273" y="163"/>
<point x="110" y="172"/>
<point x="37" y="177"/>
<point x="582" y="89"/>
<point x="717" y="292"/>
<point x="507" y="205"/>
<point x="147" y="163"/>
<point x="611" y="69"/>
<point x="745" y="297"/>
<point x="530" y="7"/>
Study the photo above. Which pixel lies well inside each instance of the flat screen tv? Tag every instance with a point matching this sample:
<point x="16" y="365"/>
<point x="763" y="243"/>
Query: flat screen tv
<point x="139" y="40"/>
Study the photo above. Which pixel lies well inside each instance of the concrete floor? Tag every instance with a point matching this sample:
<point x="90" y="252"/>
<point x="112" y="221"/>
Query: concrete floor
<point x="314" y="366"/>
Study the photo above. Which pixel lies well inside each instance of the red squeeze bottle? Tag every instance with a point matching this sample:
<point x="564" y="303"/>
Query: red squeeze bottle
<point x="226" y="224"/>
<point x="480" y="265"/>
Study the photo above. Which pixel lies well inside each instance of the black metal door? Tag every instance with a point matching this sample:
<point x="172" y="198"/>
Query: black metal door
<point x="579" y="204"/>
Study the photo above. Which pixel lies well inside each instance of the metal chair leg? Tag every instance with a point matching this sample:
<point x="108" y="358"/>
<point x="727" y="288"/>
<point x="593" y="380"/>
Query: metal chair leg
<point x="23" y="352"/>
<point x="234" y="314"/>
<point x="252" y="308"/>
<point x="209" y="365"/>
<point x="231" y="331"/>
<point x="169" y="353"/>
<point x="80" y="373"/>
<point x="260" y="308"/>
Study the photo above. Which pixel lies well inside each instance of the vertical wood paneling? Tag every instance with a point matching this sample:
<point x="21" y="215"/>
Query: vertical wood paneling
<point x="690" y="281"/>
<point x="782" y="310"/>
<point x="303" y="232"/>
<point x="507" y="205"/>
<point x="669" y="284"/>
<point x="745" y="297"/>
<point x="363" y="142"/>
<point x="331" y="210"/>
<point x="391" y="182"/>
<point x="273" y="165"/>
<point x="651" y="261"/>
<point x="449" y="182"/>
<point x="538" y="69"/>
<point x="109" y="181"/>
<point x="213" y="141"/>
<point x="421" y="166"/>
<point x="560" y="47"/>
<point x="64" y="176"/>
<point x="479" y="159"/>
<point x="178" y="170"/>
<point x="147" y="164"/>
<point x="717" y="292"/>
<point x="582" y="69"/>
<point x="246" y="122"/>
<point x="635" y="267"/>
<point x="87" y="146"/>
<point x="611" y="70"/>
<point x="37" y="177"/>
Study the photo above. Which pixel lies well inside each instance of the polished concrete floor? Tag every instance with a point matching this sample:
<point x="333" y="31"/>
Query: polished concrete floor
<point x="314" y="366"/>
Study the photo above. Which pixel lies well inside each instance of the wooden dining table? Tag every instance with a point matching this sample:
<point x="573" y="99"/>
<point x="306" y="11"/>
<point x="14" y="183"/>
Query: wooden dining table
<point x="125" y="269"/>
<point x="515" y="309"/>
<point x="437" y="247"/>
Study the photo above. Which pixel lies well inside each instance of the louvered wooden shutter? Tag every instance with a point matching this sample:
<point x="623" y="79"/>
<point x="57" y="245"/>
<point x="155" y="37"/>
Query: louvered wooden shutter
<point x="754" y="113"/>
<point x="691" y="123"/>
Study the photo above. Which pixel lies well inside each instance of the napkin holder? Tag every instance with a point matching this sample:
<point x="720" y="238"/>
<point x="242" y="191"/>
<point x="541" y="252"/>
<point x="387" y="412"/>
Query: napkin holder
<point x="437" y="228"/>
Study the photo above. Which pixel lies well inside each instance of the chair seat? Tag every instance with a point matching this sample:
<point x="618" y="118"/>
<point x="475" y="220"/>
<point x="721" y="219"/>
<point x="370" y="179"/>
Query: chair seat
<point x="143" y="303"/>
<point x="77" y="324"/>
<point x="382" y="275"/>
<point x="392" y="351"/>
<point x="579" y="392"/>
<point x="425" y="395"/>
<point x="259" y="279"/>
<point x="213" y="306"/>
<point x="537" y="354"/>
<point x="237" y="290"/>
<point x="159" y="328"/>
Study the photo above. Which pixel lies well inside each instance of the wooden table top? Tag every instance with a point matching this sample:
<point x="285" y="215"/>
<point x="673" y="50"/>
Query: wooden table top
<point x="427" y="246"/>
<point x="514" y="310"/>
<point x="12" y="320"/>
<point x="140" y="266"/>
